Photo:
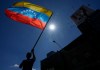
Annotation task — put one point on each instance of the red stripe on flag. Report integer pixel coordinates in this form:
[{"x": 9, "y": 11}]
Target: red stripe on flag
[{"x": 25, "y": 19}]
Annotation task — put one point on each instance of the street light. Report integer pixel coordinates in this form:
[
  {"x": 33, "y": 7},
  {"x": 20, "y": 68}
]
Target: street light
[{"x": 57, "y": 44}]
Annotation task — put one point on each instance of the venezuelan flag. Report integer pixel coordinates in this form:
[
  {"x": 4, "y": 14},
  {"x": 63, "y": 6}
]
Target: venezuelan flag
[{"x": 29, "y": 13}]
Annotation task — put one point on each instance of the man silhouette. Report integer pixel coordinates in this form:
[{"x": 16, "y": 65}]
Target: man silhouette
[{"x": 28, "y": 63}]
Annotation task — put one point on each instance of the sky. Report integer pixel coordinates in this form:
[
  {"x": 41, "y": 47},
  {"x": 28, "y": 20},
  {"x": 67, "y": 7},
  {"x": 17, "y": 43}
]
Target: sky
[{"x": 16, "y": 39}]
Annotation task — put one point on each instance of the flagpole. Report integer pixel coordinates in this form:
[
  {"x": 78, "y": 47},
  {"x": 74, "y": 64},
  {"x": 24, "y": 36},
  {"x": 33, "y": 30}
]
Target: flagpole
[{"x": 40, "y": 34}]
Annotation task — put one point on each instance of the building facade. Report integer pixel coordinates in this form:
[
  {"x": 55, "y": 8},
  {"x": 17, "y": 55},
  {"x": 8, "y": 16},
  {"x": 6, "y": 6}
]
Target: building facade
[{"x": 81, "y": 54}]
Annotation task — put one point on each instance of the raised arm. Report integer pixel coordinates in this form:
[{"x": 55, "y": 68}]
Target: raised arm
[{"x": 33, "y": 55}]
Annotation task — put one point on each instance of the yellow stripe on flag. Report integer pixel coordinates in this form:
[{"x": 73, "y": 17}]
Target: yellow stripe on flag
[{"x": 33, "y": 7}]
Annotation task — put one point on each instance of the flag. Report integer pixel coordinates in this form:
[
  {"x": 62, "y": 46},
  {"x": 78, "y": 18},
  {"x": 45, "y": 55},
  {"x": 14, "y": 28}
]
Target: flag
[{"x": 29, "y": 13}]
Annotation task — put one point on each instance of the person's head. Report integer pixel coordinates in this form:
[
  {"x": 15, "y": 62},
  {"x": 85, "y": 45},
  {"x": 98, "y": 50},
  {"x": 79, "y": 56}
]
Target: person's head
[{"x": 28, "y": 55}]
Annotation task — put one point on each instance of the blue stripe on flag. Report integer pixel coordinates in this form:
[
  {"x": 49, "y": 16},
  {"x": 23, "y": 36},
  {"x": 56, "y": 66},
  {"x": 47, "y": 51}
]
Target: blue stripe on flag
[{"x": 30, "y": 13}]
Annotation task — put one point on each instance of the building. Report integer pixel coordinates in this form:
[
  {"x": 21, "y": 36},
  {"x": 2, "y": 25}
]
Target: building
[
  {"x": 53, "y": 62},
  {"x": 81, "y": 14},
  {"x": 82, "y": 53}
]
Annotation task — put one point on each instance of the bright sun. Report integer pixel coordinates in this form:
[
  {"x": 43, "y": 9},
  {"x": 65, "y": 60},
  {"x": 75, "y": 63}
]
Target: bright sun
[{"x": 52, "y": 27}]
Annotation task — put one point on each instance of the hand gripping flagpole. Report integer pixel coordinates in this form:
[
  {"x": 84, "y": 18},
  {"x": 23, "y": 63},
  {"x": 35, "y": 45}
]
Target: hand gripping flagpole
[{"x": 40, "y": 34}]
